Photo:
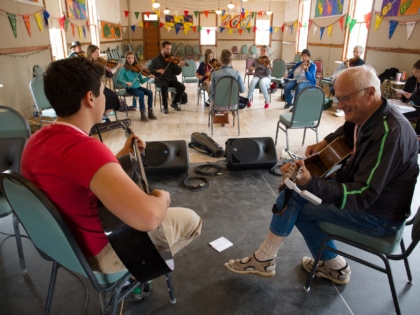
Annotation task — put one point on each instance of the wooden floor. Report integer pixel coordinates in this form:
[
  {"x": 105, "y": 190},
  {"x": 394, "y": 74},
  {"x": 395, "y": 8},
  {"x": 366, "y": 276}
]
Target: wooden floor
[{"x": 254, "y": 122}]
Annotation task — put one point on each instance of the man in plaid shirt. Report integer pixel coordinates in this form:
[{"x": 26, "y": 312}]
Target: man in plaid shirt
[{"x": 166, "y": 76}]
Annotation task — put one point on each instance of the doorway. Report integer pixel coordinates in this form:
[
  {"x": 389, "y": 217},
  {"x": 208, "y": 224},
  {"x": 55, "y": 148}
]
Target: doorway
[{"x": 151, "y": 36}]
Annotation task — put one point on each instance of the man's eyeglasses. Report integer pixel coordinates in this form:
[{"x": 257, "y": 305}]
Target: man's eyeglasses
[{"x": 345, "y": 98}]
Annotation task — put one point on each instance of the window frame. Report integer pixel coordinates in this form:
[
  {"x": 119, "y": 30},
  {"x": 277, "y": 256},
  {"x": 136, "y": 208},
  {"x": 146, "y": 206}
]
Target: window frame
[{"x": 269, "y": 33}]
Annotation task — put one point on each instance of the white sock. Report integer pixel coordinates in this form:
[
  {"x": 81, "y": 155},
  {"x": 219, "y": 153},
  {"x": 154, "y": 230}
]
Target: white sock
[
  {"x": 336, "y": 263},
  {"x": 268, "y": 249}
]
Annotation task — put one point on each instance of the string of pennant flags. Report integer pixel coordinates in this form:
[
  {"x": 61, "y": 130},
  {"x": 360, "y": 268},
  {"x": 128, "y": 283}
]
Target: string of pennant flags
[{"x": 63, "y": 21}]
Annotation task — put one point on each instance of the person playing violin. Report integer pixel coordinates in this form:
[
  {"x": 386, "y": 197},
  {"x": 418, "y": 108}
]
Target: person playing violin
[
  {"x": 133, "y": 80},
  {"x": 203, "y": 71},
  {"x": 303, "y": 75},
  {"x": 261, "y": 76},
  {"x": 112, "y": 100},
  {"x": 166, "y": 71},
  {"x": 76, "y": 49}
]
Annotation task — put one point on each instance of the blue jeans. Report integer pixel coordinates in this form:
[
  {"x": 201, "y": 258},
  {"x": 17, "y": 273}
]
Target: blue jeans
[
  {"x": 289, "y": 86},
  {"x": 141, "y": 92},
  {"x": 305, "y": 216},
  {"x": 263, "y": 84}
]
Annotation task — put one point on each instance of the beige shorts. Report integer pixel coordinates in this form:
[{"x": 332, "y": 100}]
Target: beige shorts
[{"x": 179, "y": 227}]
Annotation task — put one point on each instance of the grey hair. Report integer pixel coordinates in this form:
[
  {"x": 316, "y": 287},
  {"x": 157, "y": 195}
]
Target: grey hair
[
  {"x": 361, "y": 77},
  {"x": 359, "y": 48}
]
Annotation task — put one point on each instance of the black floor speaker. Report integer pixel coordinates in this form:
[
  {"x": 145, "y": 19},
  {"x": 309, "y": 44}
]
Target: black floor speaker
[
  {"x": 247, "y": 153},
  {"x": 165, "y": 157}
]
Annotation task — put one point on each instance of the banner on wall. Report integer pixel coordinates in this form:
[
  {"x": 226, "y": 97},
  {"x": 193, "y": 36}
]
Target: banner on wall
[
  {"x": 110, "y": 30},
  {"x": 400, "y": 7},
  {"x": 76, "y": 9},
  {"x": 236, "y": 21},
  {"x": 185, "y": 20},
  {"x": 328, "y": 8}
]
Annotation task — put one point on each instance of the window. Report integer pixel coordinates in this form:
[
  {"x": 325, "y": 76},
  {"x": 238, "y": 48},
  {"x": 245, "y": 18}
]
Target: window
[
  {"x": 151, "y": 17},
  {"x": 262, "y": 35},
  {"x": 304, "y": 11},
  {"x": 208, "y": 36},
  {"x": 56, "y": 44},
  {"x": 358, "y": 35},
  {"x": 93, "y": 22}
]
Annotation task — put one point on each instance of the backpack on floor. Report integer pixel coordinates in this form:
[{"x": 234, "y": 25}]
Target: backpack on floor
[
  {"x": 327, "y": 103},
  {"x": 184, "y": 98},
  {"x": 243, "y": 101}
]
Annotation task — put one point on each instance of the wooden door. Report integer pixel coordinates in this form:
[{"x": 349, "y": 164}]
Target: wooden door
[{"x": 151, "y": 40}]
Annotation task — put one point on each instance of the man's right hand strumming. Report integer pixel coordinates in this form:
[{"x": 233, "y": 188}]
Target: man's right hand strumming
[
  {"x": 161, "y": 71},
  {"x": 163, "y": 195},
  {"x": 314, "y": 148}
]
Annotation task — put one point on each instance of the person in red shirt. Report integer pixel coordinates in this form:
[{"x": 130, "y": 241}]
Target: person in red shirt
[{"x": 75, "y": 170}]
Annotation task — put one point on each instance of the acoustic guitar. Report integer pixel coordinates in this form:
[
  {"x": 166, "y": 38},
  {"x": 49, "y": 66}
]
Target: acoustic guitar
[
  {"x": 133, "y": 247},
  {"x": 322, "y": 164}
]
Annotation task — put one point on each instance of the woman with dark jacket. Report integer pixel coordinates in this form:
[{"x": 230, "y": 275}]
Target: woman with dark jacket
[
  {"x": 301, "y": 76},
  {"x": 411, "y": 94}
]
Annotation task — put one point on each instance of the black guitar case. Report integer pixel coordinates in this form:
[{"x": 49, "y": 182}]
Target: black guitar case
[
  {"x": 201, "y": 142},
  {"x": 106, "y": 126}
]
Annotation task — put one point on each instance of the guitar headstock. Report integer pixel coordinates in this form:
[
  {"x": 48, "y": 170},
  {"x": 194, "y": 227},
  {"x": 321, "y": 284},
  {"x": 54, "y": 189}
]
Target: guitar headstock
[
  {"x": 127, "y": 130},
  {"x": 293, "y": 173}
]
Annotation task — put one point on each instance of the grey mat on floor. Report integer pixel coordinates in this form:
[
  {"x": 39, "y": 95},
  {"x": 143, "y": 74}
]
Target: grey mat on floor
[{"x": 237, "y": 205}]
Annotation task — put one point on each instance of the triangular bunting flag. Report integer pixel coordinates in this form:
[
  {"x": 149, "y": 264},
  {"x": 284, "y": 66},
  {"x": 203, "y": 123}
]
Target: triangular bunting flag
[
  {"x": 186, "y": 31},
  {"x": 330, "y": 28},
  {"x": 230, "y": 31},
  {"x": 271, "y": 30},
  {"x": 341, "y": 20},
  {"x": 378, "y": 21},
  {"x": 87, "y": 25},
  {"x": 321, "y": 32},
  {"x": 309, "y": 25},
  {"x": 79, "y": 29},
  {"x": 286, "y": 28},
  {"x": 147, "y": 13},
  {"x": 136, "y": 14},
  {"x": 133, "y": 28},
  {"x": 291, "y": 29},
  {"x": 38, "y": 21},
  {"x": 169, "y": 29},
  {"x": 158, "y": 13},
  {"x": 246, "y": 12},
  {"x": 161, "y": 24},
  {"x": 72, "y": 29},
  {"x": 221, "y": 29},
  {"x": 282, "y": 28},
  {"x": 208, "y": 32},
  {"x": 141, "y": 24},
  {"x": 223, "y": 12},
  {"x": 255, "y": 28},
  {"x": 156, "y": 23},
  {"x": 199, "y": 28},
  {"x": 27, "y": 24},
  {"x": 367, "y": 19},
  {"x": 305, "y": 25},
  {"x": 260, "y": 14},
  {"x": 194, "y": 28},
  {"x": 177, "y": 29},
  {"x": 84, "y": 31},
  {"x": 146, "y": 24},
  {"x": 300, "y": 25},
  {"x": 60, "y": 21},
  {"x": 186, "y": 13},
  {"x": 276, "y": 29},
  {"x": 248, "y": 29},
  {"x": 352, "y": 23},
  {"x": 206, "y": 13},
  {"x": 196, "y": 14},
  {"x": 46, "y": 16},
  {"x": 240, "y": 31},
  {"x": 126, "y": 13},
  {"x": 410, "y": 28},
  {"x": 315, "y": 28},
  {"x": 348, "y": 19},
  {"x": 66, "y": 23},
  {"x": 12, "y": 19},
  {"x": 253, "y": 15},
  {"x": 392, "y": 27}
]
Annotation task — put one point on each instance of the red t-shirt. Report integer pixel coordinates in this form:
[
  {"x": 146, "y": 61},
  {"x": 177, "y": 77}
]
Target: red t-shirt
[{"x": 61, "y": 161}]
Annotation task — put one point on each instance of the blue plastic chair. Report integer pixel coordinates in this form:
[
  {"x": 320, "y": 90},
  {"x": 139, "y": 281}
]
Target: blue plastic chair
[
  {"x": 244, "y": 51},
  {"x": 42, "y": 104}
]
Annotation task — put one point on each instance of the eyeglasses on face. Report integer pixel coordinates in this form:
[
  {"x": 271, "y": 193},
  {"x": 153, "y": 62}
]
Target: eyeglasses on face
[{"x": 345, "y": 98}]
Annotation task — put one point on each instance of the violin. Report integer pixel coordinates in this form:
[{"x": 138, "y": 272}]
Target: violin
[
  {"x": 265, "y": 61},
  {"x": 107, "y": 63},
  {"x": 305, "y": 64},
  {"x": 174, "y": 60},
  {"x": 352, "y": 61},
  {"x": 80, "y": 53},
  {"x": 215, "y": 64},
  {"x": 135, "y": 67}
]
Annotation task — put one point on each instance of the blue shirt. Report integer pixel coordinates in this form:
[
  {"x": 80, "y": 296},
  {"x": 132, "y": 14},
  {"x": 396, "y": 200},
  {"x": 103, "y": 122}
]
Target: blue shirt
[{"x": 223, "y": 72}]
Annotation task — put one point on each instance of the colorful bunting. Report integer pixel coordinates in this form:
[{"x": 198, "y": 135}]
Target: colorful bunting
[
  {"x": 221, "y": 29},
  {"x": 141, "y": 24},
  {"x": 27, "y": 24},
  {"x": 309, "y": 25},
  {"x": 367, "y": 19},
  {"x": 133, "y": 28},
  {"x": 270, "y": 30},
  {"x": 348, "y": 20},
  {"x": 291, "y": 29},
  {"x": 378, "y": 21},
  {"x": 352, "y": 23},
  {"x": 341, "y": 20},
  {"x": 223, "y": 12},
  {"x": 208, "y": 32},
  {"x": 330, "y": 28},
  {"x": 199, "y": 28},
  {"x": 315, "y": 28},
  {"x": 79, "y": 29},
  {"x": 66, "y": 23},
  {"x": 206, "y": 13},
  {"x": 410, "y": 28},
  {"x": 148, "y": 14},
  {"x": 186, "y": 13},
  {"x": 126, "y": 13},
  {"x": 146, "y": 24},
  {"x": 38, "y": 21},
  {"x": 84, "y": 31},
  {"x": 253, "y": 15},
  {"x": 194, "y": 28},
  {"x": 12, "y": 19},
  {"x": 177, "y": 28},
  {"x": 72, "y": 29},
  {"x": 136, "y": 14},
  {"x": 255, "y": 29},
  {"x": 61, "y": 21},
  {"x": 161, "y": 24},
  {"x": 240, "y": 31},
  {"x": 392, "y": 27},
  {"x": 46, "y": 16},
  {"x": 249, "y": 30},
  {"x": 230, "y": 31},
  {"x": 186, "y": 31},
  {"x": 196, "y": 14},
  {"x": 321, "y": 32}
]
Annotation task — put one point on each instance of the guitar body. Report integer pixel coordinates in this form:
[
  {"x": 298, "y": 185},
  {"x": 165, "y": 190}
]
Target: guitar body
[
  {"x": 322, "y": 162},
  {"x": 135, "y": 248}
]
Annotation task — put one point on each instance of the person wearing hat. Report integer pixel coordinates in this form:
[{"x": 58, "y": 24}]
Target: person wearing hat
[{"x": 76, "y": 48}]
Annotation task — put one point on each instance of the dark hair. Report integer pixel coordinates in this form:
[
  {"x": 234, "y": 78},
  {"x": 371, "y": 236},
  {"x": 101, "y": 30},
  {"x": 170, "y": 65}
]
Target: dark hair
[
  {"x": 226, "y": 56},
  {"x": 306, "y": 51},
  {"x": 206, "y": 55},
  {"x": 90, "y": 50},
  {"x": 165, "y": 42},
  {"x": 127, "y": 66},
  {"x": 417, "y": 65},
  {"x": 67, "y": 81}
]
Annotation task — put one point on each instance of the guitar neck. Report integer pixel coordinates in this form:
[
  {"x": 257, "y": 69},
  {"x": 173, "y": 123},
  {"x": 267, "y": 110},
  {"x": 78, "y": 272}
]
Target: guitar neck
[{"x": 144, "y": 183}]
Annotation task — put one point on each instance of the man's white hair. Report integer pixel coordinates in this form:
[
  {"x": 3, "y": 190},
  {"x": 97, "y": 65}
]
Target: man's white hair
[
  {"x": 361, "y": 77},
  {"x": 359, "y": 48}
]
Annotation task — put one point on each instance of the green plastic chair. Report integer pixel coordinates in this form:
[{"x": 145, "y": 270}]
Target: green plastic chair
[
  {"x": 174, "y": 47},
  {"x": 277, "y": 73},
  {"x": 196, "y": 51},
  {"x": 119, "y": 89},
  {"x": 306, "y": 114},
  {"x": 42, "y": 104},
  {"x": 54, "y": 241},
  {"x": 189, "y": 52},
  {"x": 253, "y": 51},
  {"x": 244, "y": 51},
  {"x": 226, "y": 98},
  {"x": 188, "y": 75},
  {"x": 13, "y": 124},
  {"x": 383, "y": 247}
]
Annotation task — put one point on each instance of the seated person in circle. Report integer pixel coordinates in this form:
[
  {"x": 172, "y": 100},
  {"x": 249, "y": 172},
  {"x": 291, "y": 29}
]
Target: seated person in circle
[
  {"x": 76, "y": 49},
  {"x": 261, "y": 77},
  {"x": 203, "y": 72},
  {"x": 303, "y": 75}
]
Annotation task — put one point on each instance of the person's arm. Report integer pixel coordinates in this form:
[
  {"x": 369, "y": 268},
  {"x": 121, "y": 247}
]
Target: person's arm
[
  {"x": 153, "y": 66},
  {"x": 242, "y": 87},
  {"x": 290, "y": 74},
  {"x": 176, "y": 69},
  {"x": 142, "y": 79},
  {"x": 311, "y": 73},
  {"x": 108, "y": 72}
]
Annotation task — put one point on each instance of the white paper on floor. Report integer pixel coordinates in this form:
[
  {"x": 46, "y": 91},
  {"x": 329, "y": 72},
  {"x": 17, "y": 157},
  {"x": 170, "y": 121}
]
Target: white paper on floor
[{"x": 221, "y": 244}]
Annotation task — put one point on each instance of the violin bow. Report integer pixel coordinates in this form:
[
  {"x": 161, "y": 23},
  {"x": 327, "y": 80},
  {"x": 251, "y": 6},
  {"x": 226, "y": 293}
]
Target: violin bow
[{"x": 170, "y": 62}]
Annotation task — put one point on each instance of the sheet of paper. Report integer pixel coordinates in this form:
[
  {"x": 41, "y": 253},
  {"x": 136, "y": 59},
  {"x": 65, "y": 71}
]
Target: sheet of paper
[
  {"x": 399, "y": 91},
  {"x": 401, "y": 106},
  {"x": 221, "y": 244}
]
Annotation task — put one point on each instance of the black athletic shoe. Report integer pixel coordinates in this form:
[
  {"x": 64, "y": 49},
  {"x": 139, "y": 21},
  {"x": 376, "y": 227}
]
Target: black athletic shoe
[
  {"x": 175, "y": 106},
  {"x": 207, "y": 104},
  {"x": 287, "y": 105},
  {"x": 165, "y": 110}
]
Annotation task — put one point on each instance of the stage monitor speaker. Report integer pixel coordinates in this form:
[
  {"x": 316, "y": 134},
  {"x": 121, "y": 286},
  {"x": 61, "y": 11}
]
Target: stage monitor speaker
[
  {"x": 165, "y": 157},
  {"x": 248, "y": 153}
]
